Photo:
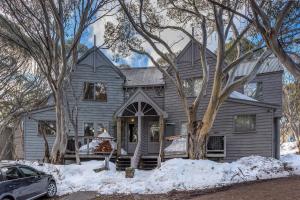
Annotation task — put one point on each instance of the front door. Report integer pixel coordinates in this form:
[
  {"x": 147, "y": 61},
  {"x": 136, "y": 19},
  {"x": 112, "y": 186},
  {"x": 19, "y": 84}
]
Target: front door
[
  {"x": 132, "y": 136},
  {"x": 153, "y": 137}
]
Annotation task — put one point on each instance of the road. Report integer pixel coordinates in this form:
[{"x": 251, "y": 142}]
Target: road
[{"x": 276, "y": 189}]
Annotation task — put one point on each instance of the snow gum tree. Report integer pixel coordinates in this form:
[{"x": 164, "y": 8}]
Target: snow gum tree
[
  {"x": 147, "y": 27},
  {"x": 42, "y": 28}
]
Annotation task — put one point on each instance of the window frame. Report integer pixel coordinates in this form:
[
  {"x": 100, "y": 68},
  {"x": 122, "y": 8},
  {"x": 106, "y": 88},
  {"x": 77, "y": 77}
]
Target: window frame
[
  {"x": 46, "y": 121},
  {"x": 193, "y": 86},
  {"x": 94, "y": 99},
  {"x": 217, "y": 153},
  {"x": 88, "y": 122},
  {"x": 236, "y": 130},
  {"x": 258, "y": 90}
]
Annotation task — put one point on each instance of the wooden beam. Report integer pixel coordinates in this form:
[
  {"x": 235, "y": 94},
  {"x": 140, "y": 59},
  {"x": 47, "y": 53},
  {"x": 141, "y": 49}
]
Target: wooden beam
[
  {"x": 161, "y": 140},
  {"x": 119, "y": 136}
]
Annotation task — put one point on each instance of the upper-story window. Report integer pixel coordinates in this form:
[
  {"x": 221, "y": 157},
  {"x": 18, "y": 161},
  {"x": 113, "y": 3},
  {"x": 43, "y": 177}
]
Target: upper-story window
[
  {"x": 244, "y": 123},
  {"x": 46, "y": 127},
  {"x": 253, "y": 90},
  {"x": 192, "y": 86},
  {"x": 95, "y": 91}
]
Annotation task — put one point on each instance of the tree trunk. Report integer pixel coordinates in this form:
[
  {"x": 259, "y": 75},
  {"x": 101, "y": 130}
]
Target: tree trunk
[
  {"x": 76, "y": 146},
  {"x": 46, "y": 146},
  {"x": 135, "y": 160},
  {"x": 60, "y": 143}
]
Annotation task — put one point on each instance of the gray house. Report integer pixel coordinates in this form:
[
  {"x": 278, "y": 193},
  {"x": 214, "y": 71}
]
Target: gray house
[{"x": 121, "y": 101}]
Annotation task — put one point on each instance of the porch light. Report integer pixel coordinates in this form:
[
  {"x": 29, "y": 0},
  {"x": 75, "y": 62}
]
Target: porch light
[{"x": 132, "y": 120}]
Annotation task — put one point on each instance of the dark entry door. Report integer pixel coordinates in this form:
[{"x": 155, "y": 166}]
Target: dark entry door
[
  {"x": 153, "y": 137},
  {"x": 132, "y": 136}
]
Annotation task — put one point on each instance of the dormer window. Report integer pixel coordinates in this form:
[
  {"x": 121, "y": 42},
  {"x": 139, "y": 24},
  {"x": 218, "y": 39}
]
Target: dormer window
[
  {"x": 95, "y": 91},
  {"x": 253, "y": 90}
]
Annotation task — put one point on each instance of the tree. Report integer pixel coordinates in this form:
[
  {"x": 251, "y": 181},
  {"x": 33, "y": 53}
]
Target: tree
[
  {"x": 291, "y": 110},
  {"x": 42, "y": 28},
  {"x": 21, "y": 88},
  {"x": 144, "y": 22},
  {"x": 245, "y": 45},
  {"x": 278, "y": 25}
]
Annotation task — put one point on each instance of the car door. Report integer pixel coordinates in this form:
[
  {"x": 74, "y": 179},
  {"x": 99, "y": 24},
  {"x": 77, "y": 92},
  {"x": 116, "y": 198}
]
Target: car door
[
  {"x": 13, "y": 182},
  {"x": 33, "y": 179}
]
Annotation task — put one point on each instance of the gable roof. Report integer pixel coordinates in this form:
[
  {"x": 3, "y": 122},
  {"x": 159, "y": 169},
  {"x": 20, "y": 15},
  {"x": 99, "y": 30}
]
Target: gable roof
[
  {"x": 141, "y": 96},
  {"x": 271, "y": 64},
  {"x": 101, "y": 54},
  {"x": 146, "y": 76},
  {"x": 196, "y": 44}
]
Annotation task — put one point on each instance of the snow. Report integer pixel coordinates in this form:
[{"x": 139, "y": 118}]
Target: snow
[
  {"x": 237, "y": 95},
  {"x": 177, "y": 145},
  {"x": 288, "y": 148},
  {"x": 174, "y": 174}
]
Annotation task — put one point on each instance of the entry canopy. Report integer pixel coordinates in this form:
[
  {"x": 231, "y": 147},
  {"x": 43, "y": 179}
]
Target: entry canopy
[{"x": 148, "y": 106}]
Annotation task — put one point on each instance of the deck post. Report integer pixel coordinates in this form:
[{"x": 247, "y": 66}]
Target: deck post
[
  {"x": 119, "y": 136},
  {"x": 161, "y": 140}
]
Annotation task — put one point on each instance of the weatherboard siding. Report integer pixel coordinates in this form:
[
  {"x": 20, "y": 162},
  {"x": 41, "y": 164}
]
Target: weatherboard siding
[
  {"x": 33, "y": 142},
  {"x": 238, "y": 145}
]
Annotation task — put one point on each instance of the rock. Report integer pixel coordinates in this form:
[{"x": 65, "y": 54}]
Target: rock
[{"x": 129, "y": 172}]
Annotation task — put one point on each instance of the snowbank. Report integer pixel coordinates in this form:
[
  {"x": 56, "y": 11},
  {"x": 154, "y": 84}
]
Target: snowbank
[
  {"x": 174, "y": 174},
  {"x": 288, "y": 148}
]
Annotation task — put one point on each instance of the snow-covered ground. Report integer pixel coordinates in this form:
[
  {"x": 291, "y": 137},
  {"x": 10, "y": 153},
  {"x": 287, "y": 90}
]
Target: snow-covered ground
[
  {"x": 175, "y": 174},
  {"x": 288, "y": 148}
]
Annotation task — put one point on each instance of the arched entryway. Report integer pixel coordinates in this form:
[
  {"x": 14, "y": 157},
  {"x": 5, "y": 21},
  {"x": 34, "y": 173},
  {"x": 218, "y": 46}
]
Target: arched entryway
[{"x": 140, "y": 116}]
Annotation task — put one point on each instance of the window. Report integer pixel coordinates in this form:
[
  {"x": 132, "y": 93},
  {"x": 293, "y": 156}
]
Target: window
[
  {"x": 27, "y": 172},
  {"x": 100, "y": 128},
  {"x": 253, "y": 90},
  {"x": 89, "y": 129},
  {"x": 215, "y": 146},
  {"x": 244, "y": 123},
  {"x": 154, "y": 132},
  {"x": 47, "y": 127},
  {"x": 95, "y": 91},
  {"x": 100, "y": 92},
  {"x": 159, "y": 91},
  {"x": 183, "y": 128},
  {"x": 192, "y": 86},
  {"x": 12, "y": 173}
]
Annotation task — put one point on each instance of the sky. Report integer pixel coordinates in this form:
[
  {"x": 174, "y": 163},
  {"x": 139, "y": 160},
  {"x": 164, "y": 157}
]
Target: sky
[{"x": 136, "y": 60}]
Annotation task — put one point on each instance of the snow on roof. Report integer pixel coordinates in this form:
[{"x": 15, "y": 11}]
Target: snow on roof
[
  {"x": 143, "y": 76},
  {"x": 237, "y": 95}
]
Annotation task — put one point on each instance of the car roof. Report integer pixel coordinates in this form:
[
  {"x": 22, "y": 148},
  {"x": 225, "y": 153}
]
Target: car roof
[{"x": 8, "y": 164}]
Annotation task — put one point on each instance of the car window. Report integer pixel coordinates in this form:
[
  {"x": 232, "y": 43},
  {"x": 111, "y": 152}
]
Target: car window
[
  {"x": 12, "y": 173},
  {"x": 28, "y": 171}
]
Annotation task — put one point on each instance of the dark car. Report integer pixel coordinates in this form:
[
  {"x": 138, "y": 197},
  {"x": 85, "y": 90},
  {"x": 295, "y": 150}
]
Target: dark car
[{"x": 21, "y": 182}]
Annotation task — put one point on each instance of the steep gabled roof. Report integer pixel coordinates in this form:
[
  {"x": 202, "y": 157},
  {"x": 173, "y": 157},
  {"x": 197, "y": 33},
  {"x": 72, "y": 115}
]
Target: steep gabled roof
[{"x": 101, "y": 54}]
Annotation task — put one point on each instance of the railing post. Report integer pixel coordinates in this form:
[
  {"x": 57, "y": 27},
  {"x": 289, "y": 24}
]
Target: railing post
[
  {"x": 119, "y": 136},
  {"x": 88, "y": 145}
]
